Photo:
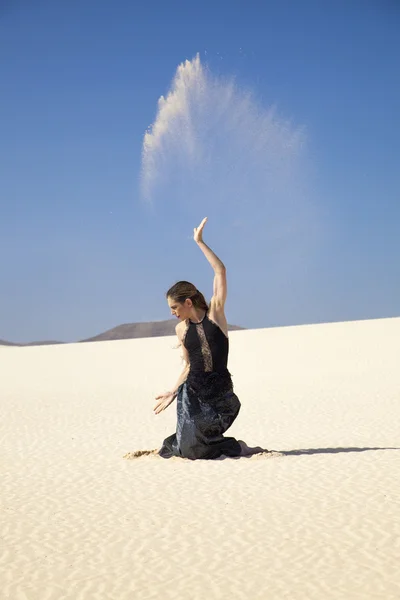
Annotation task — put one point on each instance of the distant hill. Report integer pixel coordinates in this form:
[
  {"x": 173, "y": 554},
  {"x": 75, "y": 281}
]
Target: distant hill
[
  {"x": 142, "y": 330},
  {"x": 124, "y": 332},
  {"x": 4, "y": 343},
  {"x": 45, "y": 343}
]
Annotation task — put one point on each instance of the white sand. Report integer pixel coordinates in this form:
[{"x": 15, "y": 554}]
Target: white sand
[{"x": 319, "y": 522}]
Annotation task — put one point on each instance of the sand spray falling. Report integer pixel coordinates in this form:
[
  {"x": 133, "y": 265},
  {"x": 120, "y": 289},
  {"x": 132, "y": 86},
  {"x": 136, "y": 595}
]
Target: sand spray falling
[
  {"x": 208, "y": 126},
  {"x": 215, "y": 149}
]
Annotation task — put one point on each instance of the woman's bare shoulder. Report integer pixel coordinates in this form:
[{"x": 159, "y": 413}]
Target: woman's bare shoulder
[{"x": 180, "y": 329}]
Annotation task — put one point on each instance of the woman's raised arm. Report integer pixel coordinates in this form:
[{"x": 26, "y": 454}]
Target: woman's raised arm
[{"x": 220, "y": 282}]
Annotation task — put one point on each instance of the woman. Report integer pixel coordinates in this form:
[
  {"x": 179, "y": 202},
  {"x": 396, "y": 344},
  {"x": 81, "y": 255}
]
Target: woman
[{"x": 206, "y": 404}]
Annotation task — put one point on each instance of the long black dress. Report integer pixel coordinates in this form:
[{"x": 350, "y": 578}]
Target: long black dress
[{"x": 206, "y": 402}]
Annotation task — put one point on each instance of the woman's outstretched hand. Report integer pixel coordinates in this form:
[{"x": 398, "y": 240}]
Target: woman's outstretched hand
[
  {"x": 198, "y": 231},
  {"x": 163, "y": 401}
]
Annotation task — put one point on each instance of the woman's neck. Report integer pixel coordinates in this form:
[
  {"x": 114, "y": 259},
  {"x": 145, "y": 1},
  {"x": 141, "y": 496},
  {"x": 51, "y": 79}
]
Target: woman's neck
[{"x": 197, "y": 316}]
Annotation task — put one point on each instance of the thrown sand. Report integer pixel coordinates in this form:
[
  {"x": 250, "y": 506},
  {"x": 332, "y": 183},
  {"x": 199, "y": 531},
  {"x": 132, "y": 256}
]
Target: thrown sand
[{"x": 90, "y": 511}]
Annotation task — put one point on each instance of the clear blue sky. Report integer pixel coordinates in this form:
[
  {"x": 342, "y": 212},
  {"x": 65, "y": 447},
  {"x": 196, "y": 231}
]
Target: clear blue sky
[{"x": 80, "y": 80}]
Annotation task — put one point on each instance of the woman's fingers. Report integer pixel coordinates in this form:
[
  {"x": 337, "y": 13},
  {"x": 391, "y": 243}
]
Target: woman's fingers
[
  {"x": 164, "y": 401},
  {"x": 198, "y": 230},
  {"x": 160, "y": 407},
  {"x": 201, "y": 226}
]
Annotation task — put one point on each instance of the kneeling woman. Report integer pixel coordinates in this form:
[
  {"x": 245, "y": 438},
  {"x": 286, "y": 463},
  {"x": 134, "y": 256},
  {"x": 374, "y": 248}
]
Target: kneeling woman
[{"x": 206, "y": 402}]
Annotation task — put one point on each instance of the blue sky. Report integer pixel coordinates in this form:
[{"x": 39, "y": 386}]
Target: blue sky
[{"x": 80, "y": 81}]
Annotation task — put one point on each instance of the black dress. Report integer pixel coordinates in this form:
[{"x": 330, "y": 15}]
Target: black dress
[{"x": 206, "y": 403}]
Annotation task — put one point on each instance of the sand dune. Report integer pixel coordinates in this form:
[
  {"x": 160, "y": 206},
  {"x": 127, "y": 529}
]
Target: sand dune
[{"x": 317, "y": 518}]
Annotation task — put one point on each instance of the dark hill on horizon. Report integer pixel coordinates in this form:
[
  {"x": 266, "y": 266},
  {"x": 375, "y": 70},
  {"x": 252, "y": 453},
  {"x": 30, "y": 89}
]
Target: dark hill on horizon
[
  {"x": 45, "y": 343},
  {"x": 142, "y": 330},
  {"x": 126, "y": 331},
  {"x": 4, "y": 343}
]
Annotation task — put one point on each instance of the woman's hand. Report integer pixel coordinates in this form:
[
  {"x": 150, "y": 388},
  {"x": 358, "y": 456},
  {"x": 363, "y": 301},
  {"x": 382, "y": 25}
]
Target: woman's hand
[
  {"x": 164, "y": 400},
  {"x": 198, "y": 231}
]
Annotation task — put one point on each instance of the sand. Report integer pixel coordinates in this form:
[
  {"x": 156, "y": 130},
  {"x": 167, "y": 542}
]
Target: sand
[{"x": 317, "y": 518}]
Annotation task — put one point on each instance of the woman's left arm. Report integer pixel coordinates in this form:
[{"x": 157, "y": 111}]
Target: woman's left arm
[{"x": 220, "y": 283}]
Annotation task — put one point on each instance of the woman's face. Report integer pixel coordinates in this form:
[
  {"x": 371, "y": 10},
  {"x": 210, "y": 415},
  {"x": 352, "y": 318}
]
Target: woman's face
[{"x": 178, "y": 309}]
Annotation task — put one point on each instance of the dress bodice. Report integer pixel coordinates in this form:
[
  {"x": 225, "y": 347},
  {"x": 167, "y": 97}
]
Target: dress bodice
[{"x": 207, "y": 346}]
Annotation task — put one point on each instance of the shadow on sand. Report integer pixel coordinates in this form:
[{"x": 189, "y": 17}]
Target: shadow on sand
[
  {"x": 259, "y": 451},
  {"x": 330, "y": 450}
]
